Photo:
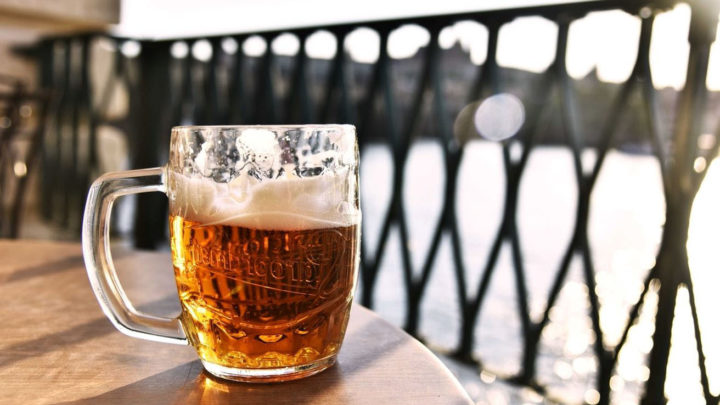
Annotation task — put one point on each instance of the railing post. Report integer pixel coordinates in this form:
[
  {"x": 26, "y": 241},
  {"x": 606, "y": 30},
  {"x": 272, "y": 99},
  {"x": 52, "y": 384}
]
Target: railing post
[
  {"x": 48, "y": 82},
  {"x": 266, "y": 109},
  {"x": 236, "y": 112},
  {"x": 85, "y": 107},
  {"x": 673, "y": 270},
  {"x": 212, "y": 105},
  {"x": 150, "y": 135},
  {"x": 64, "y": 122}
]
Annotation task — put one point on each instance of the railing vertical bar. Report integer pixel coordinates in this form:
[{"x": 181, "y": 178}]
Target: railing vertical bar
[
  {"x": 488, "y": 68},
  {"x": 198, "y": 79},
  {"x": 709, "y": 399},
  {"x": 509, "y": 226},
  {"x": 611, "y": 124},
  {"x": 266, "y": 112},
  {"x": 518, "y": 263},
  {"x": 347, "y": 111},
  {"x": 650, "y": 106},
  {"x": 528, "y": 135},
  {"x": 472, "y": 305},
  {"x": 610, "y": 128},
  {"x": 700, "y": 60},
  {"x": 702, "y": 35},
  {"x": 367, "y": 112},
  {"x": 86, "y": 103},
  {"x": 450, "y": 152},
  {"x": 335, "y": 81},
  {"x": 61, "y": 114},
  {"x": 580, "y": 240},
  {"x": 711, "y": 154},
  {"x": 682, "y": 187},
  {"x": 634, "y": 313},
  {"x": 604, "y": 358},
  {"x": 531, "y": 350},
  {"x": 151, "y": 217},
  {"x": 236, "y": 98},
  {"x": 48, "y": 82},
  {"x": 400, "y": 145},
  {"x": 211, "y": 97},
  {"x": 75, "y": 200},
  {"x": 299, "y": 105},
  {"x": 106, "y": 93},
  {"x": 415, "y": 287},
  {"x": 642, "y": 73},
  {"x": 370, "y": 269},
  {"x": 67, "y": 120},
  {"x": 552, "y": 297},
  {"x": 658, "y": 359},
  {"x": 649, "y": 98},
  {"x": 186, "y": 101}
]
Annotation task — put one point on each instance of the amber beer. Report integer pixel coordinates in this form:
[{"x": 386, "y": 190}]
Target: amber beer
[
  {"x": 264, "y": 229},
  {"x": 257, "y": 299}
]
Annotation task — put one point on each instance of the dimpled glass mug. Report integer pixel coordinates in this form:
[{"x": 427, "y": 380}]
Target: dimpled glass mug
[{"x": 264, "y": 233}]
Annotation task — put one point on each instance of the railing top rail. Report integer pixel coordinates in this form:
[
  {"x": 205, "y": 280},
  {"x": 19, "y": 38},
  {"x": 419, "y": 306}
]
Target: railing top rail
[{"x": 491, "y": 16}]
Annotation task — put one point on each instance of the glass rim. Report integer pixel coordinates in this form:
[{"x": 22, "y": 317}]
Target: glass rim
[{"x": 262, "y": 126}]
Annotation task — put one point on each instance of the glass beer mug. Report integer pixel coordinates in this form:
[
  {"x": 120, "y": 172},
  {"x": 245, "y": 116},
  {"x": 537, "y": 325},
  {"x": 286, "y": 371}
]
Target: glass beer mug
[{"x": 264, "y": 233}]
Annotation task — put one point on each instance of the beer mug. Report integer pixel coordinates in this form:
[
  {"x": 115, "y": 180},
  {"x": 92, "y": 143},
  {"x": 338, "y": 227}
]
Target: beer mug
[{"x": 264, "y": 232}]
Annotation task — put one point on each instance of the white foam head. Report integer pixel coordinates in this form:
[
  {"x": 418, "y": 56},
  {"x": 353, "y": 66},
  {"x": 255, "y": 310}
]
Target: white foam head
[{"x": 285, "y": 203}]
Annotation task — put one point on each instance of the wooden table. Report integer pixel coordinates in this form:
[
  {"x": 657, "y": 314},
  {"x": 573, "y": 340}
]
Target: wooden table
[{"x": 57, "y": 347}]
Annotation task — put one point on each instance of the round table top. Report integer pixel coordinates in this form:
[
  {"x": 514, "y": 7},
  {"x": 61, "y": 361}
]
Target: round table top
[{"x": 56, "y": 346}]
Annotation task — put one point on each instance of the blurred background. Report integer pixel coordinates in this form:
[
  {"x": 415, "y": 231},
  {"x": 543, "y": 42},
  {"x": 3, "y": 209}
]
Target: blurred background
[{"x": 521, "y": 161}]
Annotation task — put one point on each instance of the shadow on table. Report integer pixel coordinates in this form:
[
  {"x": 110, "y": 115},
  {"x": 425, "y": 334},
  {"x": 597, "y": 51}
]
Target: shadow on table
[
  {"x": 56, "y": 341},
  {"x": 189, "y": 383},
  {"x": 67, "y": 338},
  {"x": 58, "y": 266},
  {"x": 44, "y": 269}
]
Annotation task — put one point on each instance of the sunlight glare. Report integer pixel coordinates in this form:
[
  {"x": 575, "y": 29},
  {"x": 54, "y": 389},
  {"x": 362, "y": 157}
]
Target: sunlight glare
[
  {"x": 286, "y": 44},
  {"x": 683, "y": 375},
  {"x": 713, "y": 77},
  {"x": 704, "y": 256},
  {"x": 405, "y": 41},
  {"x": 254, "y": 46},
  {"x": 613, "y": 54},
  {"x": 321, "y": 45},
  {"x": 363, "y": 45},
  {"x": 669, "y": 47},
  {"x": 473, "y": 38},
  {"x": 527, "y": 43}
]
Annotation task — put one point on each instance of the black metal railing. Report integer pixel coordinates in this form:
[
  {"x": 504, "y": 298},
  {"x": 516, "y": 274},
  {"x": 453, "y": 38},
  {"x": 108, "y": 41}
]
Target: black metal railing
[{"x": 239, "y": 89}]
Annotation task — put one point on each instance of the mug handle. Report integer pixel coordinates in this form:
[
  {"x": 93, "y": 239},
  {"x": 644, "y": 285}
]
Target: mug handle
[{"x": 98, "y": 260}]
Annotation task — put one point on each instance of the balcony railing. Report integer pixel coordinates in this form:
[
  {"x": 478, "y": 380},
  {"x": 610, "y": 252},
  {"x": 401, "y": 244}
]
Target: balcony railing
[{"x": 235, "y": 88}]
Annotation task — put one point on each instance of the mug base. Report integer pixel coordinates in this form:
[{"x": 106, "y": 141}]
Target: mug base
[{"x": 269, "y": 375}]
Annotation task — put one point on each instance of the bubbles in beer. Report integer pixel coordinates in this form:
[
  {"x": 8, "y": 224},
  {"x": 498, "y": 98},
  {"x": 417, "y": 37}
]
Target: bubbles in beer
[{"x": 256, "y": 298}]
